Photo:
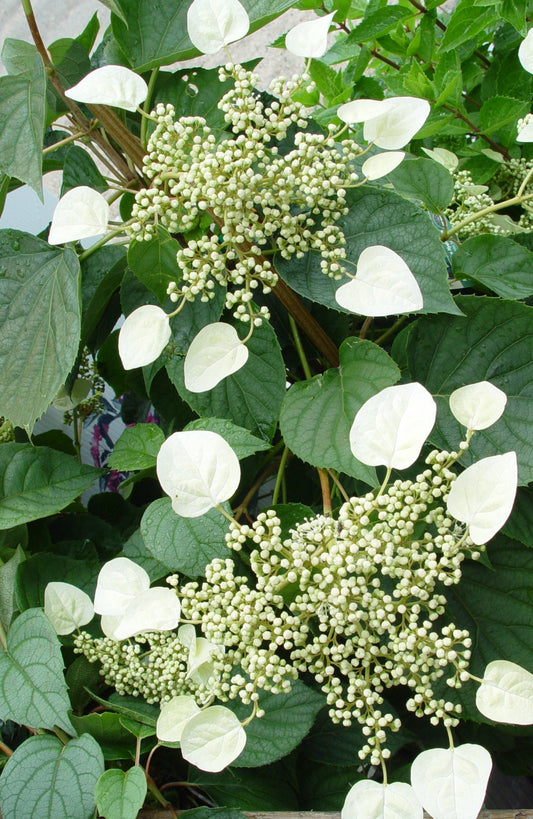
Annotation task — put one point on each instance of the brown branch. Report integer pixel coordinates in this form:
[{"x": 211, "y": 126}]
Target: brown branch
[{"x": 494, "y": 145}]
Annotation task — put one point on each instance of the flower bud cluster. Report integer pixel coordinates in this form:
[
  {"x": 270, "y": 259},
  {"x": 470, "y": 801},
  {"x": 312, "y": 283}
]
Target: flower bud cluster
[
  {"x": 469, "y": 199},
  {"x": 260, "y": 194}
]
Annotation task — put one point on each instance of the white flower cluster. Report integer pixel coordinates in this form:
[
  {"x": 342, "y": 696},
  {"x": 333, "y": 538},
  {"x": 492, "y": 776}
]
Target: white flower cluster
[
  {"x": 260, "y": 194},
  {"x": 469, "y": 199}
]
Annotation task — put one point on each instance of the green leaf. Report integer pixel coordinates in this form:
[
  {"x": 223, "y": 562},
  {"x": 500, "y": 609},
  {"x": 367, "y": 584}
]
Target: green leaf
[
  {"x": 379, "y": 22},
  {"x": 38, "y": 570},
  {"x": 378, "y": 216},
  {"x": 101, "y": 275},
  {"x": 251, "y": 397},
  {"x": 213, "y": 813},
  {"x": 514, "y": 11},
  {"x": 466, "y": 23},
  {"x": 324, "y": 788},
  {"x": 249, "y": 789},
  {"x": 39, "y": 322},
  {"x": 130, "y": 707},
  {"x": 520, "y": 524},
  {"x": 194, "y": 95},
  {"x": 22, "y": 112},
  {"x": 152, "y": 40},
  {"x": 80, "y": 169},
  {"x": 239, "y": 439},
  {"x": 18, "y": 56},
  {"x": 154, "y": 262},
  {"x": 136, "y": 550},
  {"x": 8, "y": 572},
  {"x": 317, "y": 415},
  {"x": 49, "y": 780},
  {"x": 287, "y": 720},
  {"x": 32, "y": 688},
  {"x": 184, "y": 545},
  {"x": 120, "y": 794},
  {"x": 500, "y": 264},
  {"x": 137, "y": 448},
  {"x": 114, "y": 740},
  {"x": 425, "y": 181},
  {"x": 499, "y": 111},
  {"x": 492, "y": 342},
  {"x": 38, "y": 482}
]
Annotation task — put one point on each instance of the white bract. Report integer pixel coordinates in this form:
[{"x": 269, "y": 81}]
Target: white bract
[
  {"x": 120, "y": 580},
  {"x": 213, "y": 24},
  {"x": 483, "y": 495},
  {"x": 174, "y": 715},
  {"x": 143, "y": 336},
  {"x": 525, "y": 52},
  {"x": 213, "y": 739},
  {"x": 525, "y": 129},
  {"x": 381, "y": 164},
  {"x": 110, "y": 85},
  {"x": 214, "y": 353},
  {"x": 201, "y": 650},
  {"x": 479, "y": 405},
  {"x": 391, "y": 427},
  {"x": 67, "y": 607},
  {"x": 444, "y": 157},
  {"x": 391, "y": 123},
  {"x": 506, "y": 694},
  {"x": 372, "y": 800},
  {"x": 198, "y": 470},
  {"x": 156, "y": 609},
  {"x": 309, "y": 39},
  {"x": 383, "y": 285},
  {"x": 81, "y": 213},
  {"x": 451, "y": 782}
]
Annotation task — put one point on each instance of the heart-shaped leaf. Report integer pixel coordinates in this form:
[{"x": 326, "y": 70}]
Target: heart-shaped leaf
[
  {"x": 372, "y": 800},
  {"x": 212, "y": 739},
  {"x": 81, "y": 213},
  {"x": 213, "y": 24},
  {"x": 451, "y": 782},
  {"x": 478, "y": 406},
  {"x": 174, "y": 716},
  {"x": 213, "y": 354},
  {"x": 506, "y": 693},
  {"x": 143, "y": 336},
  {"x": 110, "y": 85},
  {"x": 120, "y": 794},
  {"x": 67, "y": 607},
  {"x": 309, "y": 39}
]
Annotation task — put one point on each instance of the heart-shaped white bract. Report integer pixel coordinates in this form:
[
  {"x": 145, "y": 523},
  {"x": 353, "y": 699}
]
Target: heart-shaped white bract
[
  {"x": 120, "y": 580},
  {"x": 67, "y": 607},
  {"x": 79, "y": 214},
  {"x": 372, "y": 800},
  {"x": 156, "y": 609},
  {"x": 383, "y": 285},
  {"x": 381, "y": 164},
  {"x": 483, "y": 495},
  {"x": 213, "y": 24},
  {"x": 198, "y": 470},
  {"x": 444, "y": 157},
  {"x": 174, "y": 716},
  {"x": 143, "y": 336},
  {"x": 525, "y": 134},
  {"x": 525, "y": 52},
  {"x": 213, "y": 739},
  {"x": 201, "y": 650},
  {"x": 110, "y": 85},
  {"x": 479, "y": 405},
  {"x": 391, "y": 123},
  {"x": 309, "y": 39},
  {"x": 214, "y": 353},
  {"x": 506, "y": 693},
  {"x": 392, "y": 426},
  {"x": 451, "y": 783}
]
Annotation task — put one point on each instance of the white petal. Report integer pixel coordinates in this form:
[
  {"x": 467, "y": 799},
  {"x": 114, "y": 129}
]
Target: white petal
[
  {"x": 399, "y": 121},
  {"x": 119, "y": 581},
  {"x": 451, "y": 783},
  {"x": 526, "y": 134},
  {"x": 360, "y": 110},
  {"x": 383, "y": 285},
  {"x": 506, "y": 694},
  {"x": 79, "y": 214},
  {"x": 67, "y": 607},
  {"x": 309, "y": 39},
  {"x": 143, "y": 336},
  {"x": 381, "y": 164},
  {"x": 80, "y": 390},
  {"x": 110, "y": 85},
  {"x": 372, "y": 800},
  {"x": 391, "y": 427},
  {"x": 478, "y": 406},
  {"x": 215, "y": 352},
  {"x": 483, "y": 495},
  {"x": 174, "y": 715},
  {"x": 156, "y": 609},
  {"x": 212, "y": 24},
  {"x": 525, "y": 52},
  {"x": 213, "y": 739},
  {"x": 198, "y": 469},
  {"x": 444, "y": 157}
]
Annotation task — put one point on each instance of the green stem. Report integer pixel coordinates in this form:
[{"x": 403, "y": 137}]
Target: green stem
[
  {"x": 101, "y": 242},
  {"x": 147, "y": 105},
  {"x": 450, "y": 737},
  {"x": 516, "y": 200},
  {"x": 223, "y": 512},
  {"x": 324, "y": 488},
  {"x": 299, "y": 348},
  {"x": 279, "y": 476},
  {"x": 385, "y": 482},
  {"x": 5, "y": 750},
  {"x": 3, "y": 637},
  {"x": 388, "y": 333},
  {"x": 61, "y": 142}
]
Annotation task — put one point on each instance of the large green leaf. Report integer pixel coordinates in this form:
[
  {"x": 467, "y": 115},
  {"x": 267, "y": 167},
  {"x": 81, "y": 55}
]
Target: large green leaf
[
  {"x": 38, "y": 481},
  {"x": 114, "y": 740},
  {"x": 137, "y": 447},
  {"x": 379, "y": 22},
  {"x": 287, "y": 720},
  {"x": 120, "y": 794},
  {"x": 251, "y": 397},
  {"x": 426, "y": 181},
  {"x": 499, "y": 111},
  {"x": 183, "y": 544},
  {"x": 154, "y": 262},
  {"x": 249, "y": 789},
  {"x": 39, "y": 322},
  {"x": 155, "y": 36},
  {"x": 468, "y": 23},
  {"x": 317, "y": 415},
  {"x": 492, "y": 342},
  {"x": 22, "y": 112},
  {"x": 239, "y": 439},
  {"x": 379, "y": 217},
  {"x": 48, "y": 780},
  {"x": 498, "y": 263},
  {"x": 8, "y": 571},
  {"x": 33, "y": 691}
]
